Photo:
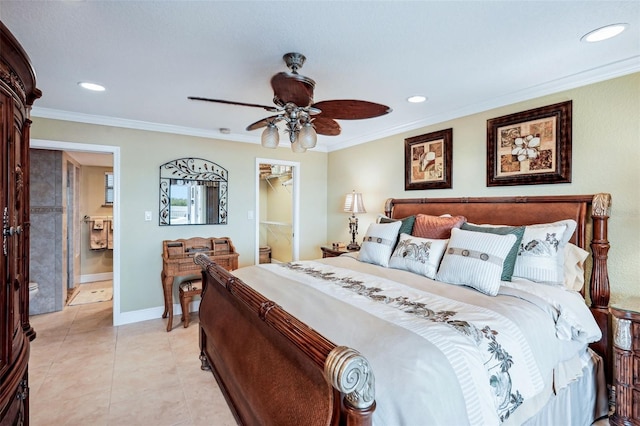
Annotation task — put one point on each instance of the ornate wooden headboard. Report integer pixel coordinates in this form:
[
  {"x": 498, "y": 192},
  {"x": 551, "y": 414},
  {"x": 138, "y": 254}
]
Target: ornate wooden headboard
[{"x": 517, "y": 211}]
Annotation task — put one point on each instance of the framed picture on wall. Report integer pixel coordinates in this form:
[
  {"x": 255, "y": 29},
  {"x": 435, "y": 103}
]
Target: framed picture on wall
[
  {"x": 427, "y": 160},
  {"x": 530, "y": 147}
]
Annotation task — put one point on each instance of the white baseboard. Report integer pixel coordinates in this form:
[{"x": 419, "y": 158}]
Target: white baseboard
[
  {"x": 90, "y": 278},
  {"x": 153, "y": 313}
]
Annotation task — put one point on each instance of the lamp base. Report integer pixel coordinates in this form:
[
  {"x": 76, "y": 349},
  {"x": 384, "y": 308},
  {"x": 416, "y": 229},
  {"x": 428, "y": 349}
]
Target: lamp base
[{"x": 353, "y": 246}]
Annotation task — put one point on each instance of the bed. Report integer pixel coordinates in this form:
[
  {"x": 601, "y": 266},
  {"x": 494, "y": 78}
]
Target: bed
[{"x": 350, "y": 341}]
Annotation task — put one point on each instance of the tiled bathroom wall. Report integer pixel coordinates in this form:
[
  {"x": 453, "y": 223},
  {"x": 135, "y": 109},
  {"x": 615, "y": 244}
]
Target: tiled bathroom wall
[{"x": 48, "y": 223}]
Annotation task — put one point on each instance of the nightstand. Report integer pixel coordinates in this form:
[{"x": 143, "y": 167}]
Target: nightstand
[
  {"x": 626, "y": 362},
  {"x": 330, "y": 251}
]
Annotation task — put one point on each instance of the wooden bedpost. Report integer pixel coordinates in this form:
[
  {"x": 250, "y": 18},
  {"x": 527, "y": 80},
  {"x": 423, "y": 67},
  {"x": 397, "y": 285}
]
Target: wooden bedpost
[
  {"x": 599, "y": 283},
  {"x": 350, "y": 373}
]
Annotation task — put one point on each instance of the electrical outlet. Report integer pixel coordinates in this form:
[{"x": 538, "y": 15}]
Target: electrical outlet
[
  {"x": 250, "y": 215},
  {"x": 147, "y": 216}
]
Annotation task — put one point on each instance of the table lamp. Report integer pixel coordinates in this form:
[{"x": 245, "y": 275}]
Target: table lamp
[{"x": 353, "y": 204}]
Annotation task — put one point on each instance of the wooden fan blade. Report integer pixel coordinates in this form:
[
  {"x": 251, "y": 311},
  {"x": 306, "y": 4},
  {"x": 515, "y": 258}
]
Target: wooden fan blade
[
  {"x": 263, "y": 123},
  {"x": 221, "y": 101},
  {"x": 294, "y": 88},
  {"x": 326, "y": 126},
  {"x": 350, "y": 109}
]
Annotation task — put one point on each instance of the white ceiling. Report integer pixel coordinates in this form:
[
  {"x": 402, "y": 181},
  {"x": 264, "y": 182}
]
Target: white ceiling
[{"x": 465, "y": 56}]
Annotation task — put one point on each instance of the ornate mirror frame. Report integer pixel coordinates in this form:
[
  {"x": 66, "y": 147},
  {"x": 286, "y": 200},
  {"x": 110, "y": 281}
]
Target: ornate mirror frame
[{"x": 191, "y": 169}]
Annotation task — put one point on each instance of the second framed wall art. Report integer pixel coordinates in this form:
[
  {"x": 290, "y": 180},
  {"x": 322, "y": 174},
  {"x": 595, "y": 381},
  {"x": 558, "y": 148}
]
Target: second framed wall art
[
  {"x": 530, "y": 147},
  {"x": 427, "y": 160}
]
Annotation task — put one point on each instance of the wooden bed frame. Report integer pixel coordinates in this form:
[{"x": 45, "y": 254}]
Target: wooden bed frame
[{"x": 273, "y": 369}]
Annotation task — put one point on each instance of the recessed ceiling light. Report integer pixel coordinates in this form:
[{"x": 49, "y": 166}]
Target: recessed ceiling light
[
  {"x": 91, "y": 86},
  {"x": 416, "y": 99},
  {"x": 604, "y": 33}
]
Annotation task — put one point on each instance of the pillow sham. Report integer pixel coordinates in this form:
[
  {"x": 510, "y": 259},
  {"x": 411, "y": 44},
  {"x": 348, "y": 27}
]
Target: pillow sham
[
  {"x": 378, "y": 243},
  {"x": 436, "y": 227},
  {"x": 418, "y": 255},
  {"x": 475, "y": 259},
  {"x": 574, "y": 258},
  {"x": 510, "y": 260},
  {"x": 407, "y": 223},
  {"x": 541, "y": 252}
]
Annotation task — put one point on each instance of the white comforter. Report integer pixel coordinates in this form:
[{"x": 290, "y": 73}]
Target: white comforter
[{"x": 441, "y": 354}]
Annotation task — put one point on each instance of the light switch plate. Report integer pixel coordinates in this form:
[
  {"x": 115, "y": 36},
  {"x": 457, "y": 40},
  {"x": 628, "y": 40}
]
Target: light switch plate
[{"x": 147, "y": 216}]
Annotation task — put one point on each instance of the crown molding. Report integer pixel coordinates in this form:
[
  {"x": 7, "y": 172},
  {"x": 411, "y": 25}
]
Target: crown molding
[{"x": 607, "y": 72}]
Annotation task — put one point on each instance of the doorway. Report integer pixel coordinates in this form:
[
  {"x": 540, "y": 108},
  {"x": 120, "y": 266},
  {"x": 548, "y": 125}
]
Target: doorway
[
  {"x": 114, "y": 153},
  {"x": 277, "y": 210}
]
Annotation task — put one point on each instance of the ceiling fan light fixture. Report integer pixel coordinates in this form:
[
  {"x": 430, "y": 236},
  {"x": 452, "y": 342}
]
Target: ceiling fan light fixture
[
  {"x": 270, "y": 136},
  {"x": 307, "y": 136},
  {"x": 297, "y": 148},
  {"x": 604, "y": 33},
  {"x": 301, "y": 118}
]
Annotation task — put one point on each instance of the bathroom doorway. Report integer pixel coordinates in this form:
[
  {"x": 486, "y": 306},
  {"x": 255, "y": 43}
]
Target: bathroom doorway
[
  {"x": 79, "y": 163},
  {"x": 277, "y": 209}
]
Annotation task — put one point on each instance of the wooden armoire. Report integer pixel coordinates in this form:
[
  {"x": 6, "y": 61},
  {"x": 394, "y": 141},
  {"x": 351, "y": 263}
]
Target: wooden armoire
[{"x": 17, "y": 93}]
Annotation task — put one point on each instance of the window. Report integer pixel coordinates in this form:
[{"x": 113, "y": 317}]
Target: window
[{"x": 108, "y": 188}]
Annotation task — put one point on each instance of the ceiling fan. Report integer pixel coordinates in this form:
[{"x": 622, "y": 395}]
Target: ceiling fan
[{"x": 303, "y": 119}]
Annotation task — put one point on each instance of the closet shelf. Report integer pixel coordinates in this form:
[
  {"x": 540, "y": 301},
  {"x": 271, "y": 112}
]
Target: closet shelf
[{"x": 277, "y": 229}]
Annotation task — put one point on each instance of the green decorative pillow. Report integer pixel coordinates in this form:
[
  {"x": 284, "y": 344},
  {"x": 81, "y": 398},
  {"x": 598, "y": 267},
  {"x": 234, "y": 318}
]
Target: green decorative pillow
[
  {"x": 407, "y": 223},
  {"x": 510, "y": 260}
]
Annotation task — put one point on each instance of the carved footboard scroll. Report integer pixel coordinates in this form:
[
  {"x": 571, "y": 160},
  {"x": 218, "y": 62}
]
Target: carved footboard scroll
[{"x": 272, "y": 368}]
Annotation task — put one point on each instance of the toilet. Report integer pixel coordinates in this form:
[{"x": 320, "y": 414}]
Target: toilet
[{"x": 33, "y": 290}]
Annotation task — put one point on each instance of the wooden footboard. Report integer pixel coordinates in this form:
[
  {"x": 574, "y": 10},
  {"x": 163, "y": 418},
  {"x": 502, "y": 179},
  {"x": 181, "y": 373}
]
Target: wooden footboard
[{"x": 271, "y": 367}]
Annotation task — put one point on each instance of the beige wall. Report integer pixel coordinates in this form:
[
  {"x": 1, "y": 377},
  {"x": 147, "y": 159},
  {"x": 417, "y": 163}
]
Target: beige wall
[
  {"x": 606, "y": 158},
  {"x": 142, "y": 153}
]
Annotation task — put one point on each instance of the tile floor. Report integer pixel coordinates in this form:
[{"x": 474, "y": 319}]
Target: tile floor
[{"x": 84, "y": 371}]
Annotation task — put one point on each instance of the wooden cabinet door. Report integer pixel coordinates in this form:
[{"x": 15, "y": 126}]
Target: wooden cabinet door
[
  {"x": 6, "y": 118},
  {"x": 12, "y": 264}
]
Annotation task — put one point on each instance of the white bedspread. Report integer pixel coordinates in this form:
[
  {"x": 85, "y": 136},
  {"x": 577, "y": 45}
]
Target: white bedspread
[{"x": 441, "y": 354}]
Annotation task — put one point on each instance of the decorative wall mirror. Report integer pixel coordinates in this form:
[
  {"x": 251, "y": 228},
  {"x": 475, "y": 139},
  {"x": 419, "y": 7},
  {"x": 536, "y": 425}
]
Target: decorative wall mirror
[{"x": 193, "y": 191}]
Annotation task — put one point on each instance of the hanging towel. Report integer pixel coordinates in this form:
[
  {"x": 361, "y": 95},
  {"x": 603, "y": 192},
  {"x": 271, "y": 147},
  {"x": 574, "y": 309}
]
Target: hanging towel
[
  {"x": 98, "y": 224},
  {"x": 109, "y": 234},
  {"x": 98, "y": 237}
]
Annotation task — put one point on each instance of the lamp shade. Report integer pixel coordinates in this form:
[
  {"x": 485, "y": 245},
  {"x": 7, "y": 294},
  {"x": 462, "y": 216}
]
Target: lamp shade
[
  {"x": 297, "y": 148},
  {"x": 353, "y": 203},
  {"x": 307, "y": 136},
  {"x": 270, "y": 136}
]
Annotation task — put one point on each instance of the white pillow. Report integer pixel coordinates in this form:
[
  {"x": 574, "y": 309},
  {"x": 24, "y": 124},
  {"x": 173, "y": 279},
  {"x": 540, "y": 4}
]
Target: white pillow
[
  {"x": 541, "y": 253},
  {"x": 475, "y": 259},
  {"x": 574, "y": 258},
  {"x": 378, "y": 243},
  {"x": 419, "y": 255}
]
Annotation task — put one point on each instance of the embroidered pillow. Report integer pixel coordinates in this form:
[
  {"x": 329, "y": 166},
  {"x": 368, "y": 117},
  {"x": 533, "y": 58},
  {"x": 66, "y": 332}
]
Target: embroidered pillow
[
  {"x": 475, "y": 259},
  {"x": 378, "y": 243},
  {"x": 541, "y": 252},
  {"x": 436, "y": 227},
  {"x": 574, "y": 258},
  {"x": 419, "y": 255},
  {"x": 510, "y": 260}
]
